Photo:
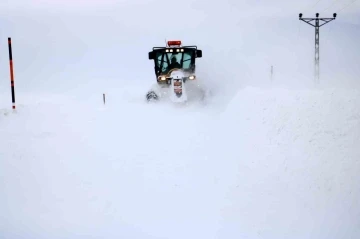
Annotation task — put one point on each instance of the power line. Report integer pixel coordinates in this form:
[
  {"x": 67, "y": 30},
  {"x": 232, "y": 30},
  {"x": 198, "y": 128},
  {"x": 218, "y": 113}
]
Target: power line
[
  {"x": 332, "y": 4},
  {"x": 312, "y": 6},
  {"x": 350, "y": 3},
  {"x": 316, "y": 3}
]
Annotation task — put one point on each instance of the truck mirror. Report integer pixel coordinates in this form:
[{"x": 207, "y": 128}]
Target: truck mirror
[{"x": 151, "y": 55}]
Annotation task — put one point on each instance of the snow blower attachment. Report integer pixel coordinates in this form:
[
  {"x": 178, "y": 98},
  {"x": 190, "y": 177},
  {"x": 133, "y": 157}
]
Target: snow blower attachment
[{"x": 174, "y": 66}]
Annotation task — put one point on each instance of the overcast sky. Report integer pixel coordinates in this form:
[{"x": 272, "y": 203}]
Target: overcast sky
[{"x": 60, "y": 44}]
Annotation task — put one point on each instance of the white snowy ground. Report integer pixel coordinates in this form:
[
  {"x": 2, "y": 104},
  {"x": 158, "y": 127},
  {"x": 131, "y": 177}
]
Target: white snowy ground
[{"x": 266, "y": 163}]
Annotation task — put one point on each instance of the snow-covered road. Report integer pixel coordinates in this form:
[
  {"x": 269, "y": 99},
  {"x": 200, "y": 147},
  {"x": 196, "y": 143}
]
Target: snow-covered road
[{"x": 268, "y": 163}]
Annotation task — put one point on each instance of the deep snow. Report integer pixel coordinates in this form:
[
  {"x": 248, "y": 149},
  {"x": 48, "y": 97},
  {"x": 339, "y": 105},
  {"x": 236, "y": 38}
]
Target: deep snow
[
  {"x": 260, "y": 159},
  {"x": 271, "y": 163}
]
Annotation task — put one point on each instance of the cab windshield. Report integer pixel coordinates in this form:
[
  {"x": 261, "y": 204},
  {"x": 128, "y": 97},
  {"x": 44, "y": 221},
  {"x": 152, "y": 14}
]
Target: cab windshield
[{"x": 165, "y": 61}]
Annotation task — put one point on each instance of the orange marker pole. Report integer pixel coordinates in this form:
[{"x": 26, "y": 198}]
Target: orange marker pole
[{"x": 11, "y": 74}]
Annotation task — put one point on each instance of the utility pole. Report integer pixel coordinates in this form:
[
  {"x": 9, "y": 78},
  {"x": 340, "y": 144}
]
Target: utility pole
[
  {"x": 317, "y": 26},
  {"x": 271, "y": 74}
]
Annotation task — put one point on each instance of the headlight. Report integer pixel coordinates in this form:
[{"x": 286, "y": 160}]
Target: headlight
[
  {"x": 191, "y": 77},
  {"x": 162, "y": 78}
]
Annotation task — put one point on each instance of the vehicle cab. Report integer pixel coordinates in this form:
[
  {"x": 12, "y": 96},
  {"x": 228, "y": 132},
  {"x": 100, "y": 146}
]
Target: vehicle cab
[{"x": 174, "y": 57}]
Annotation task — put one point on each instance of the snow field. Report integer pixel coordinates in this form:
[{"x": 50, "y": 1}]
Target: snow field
[{"x": 270, "y": 163}]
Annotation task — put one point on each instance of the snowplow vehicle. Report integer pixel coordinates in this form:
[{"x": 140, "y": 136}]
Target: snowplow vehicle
[{"x": 174, "y": 68}]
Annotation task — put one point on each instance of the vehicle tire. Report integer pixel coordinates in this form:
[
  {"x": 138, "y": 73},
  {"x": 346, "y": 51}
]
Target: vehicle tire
[{"x": 151, "y": 95}]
